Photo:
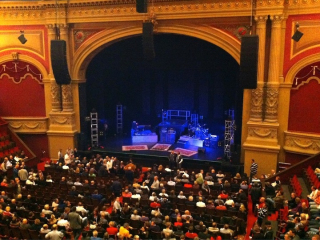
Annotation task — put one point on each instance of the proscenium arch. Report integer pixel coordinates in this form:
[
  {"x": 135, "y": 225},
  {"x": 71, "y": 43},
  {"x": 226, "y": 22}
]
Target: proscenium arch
[{"x": 95, "y": 44}]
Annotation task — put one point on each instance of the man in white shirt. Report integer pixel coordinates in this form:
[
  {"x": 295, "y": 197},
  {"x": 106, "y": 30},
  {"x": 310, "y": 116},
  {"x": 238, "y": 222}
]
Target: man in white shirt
[
  {"x": 60, "y": 155},
  {"x": 109, "y": 163},
  {"x": 200, "y": 203},
  {"x": 171, "y": 183},
  {"x": 156, "y": 183},
  {"x": 163, "y": 193},
  {"x": 67, "y": 159},
  {"x": 136, "y": 196},
  {"x": 80, "y": 208},
  {"x": 117, "y": 205},
  {"x": 313, "y": 194}
]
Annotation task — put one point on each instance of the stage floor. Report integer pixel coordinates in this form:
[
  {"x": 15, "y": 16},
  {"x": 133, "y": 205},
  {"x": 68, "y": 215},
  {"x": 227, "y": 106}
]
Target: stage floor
[{"x": 115, "y": 144}]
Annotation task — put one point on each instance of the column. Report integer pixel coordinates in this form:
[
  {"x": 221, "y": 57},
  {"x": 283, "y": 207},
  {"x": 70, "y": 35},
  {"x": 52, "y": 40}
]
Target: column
[
  {"x": 257, "y": 94},
  {"x": 67, "y": 99},
  {"x": 272, "y": 98},
  {"x": 62, "y": 130},
  {"x": 55, "y": 97},
  {"x": 67, "y": 102}
]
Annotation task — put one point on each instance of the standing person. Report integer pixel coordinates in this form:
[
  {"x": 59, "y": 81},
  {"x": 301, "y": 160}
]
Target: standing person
[
  {"x": 171, "y": 160},
  {"x": 256, "y": 193},
  {"x": 54, "y": 234},
  {"x": 253, "y": 169},
  {"x": 179, "y": 160},
  {"x": 60, "y": 155},
  {"x": 75, "y": 222}
]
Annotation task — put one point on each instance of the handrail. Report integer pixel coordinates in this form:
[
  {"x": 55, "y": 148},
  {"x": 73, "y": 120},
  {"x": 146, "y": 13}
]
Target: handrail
[{"x": 297, "y": 169}]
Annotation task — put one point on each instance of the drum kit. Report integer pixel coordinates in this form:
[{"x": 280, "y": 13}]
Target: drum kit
[{"x": 202, "y": 132}]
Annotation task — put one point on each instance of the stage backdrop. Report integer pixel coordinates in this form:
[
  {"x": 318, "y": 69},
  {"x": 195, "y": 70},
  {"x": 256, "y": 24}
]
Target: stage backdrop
[{"x": 187, "y": 74}]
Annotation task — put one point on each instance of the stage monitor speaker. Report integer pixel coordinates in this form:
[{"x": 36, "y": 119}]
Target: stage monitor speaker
[
  {"x": 142, "y": 6},
  {"x": 201, "y": 150},
  {"x": 249, "y": 61},
  {"x": 147, "y": 40},
  {"x": 59, "y": 62}
]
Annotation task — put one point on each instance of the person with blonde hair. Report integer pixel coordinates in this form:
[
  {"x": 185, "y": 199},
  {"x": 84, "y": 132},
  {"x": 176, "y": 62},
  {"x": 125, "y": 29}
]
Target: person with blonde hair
[
  {"x": 46, "y": 210},
  {"x": 95, "y": 235},
  {"x": 45, "y": 229}
]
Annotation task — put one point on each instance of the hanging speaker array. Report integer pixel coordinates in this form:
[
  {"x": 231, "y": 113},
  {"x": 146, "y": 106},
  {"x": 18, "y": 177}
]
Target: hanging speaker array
[
  {"x": 142, "y": 6},
  {"x": 147, "y": 40},
  {"x": 59, "y": 62},
  {"x": 249, "y": 61}
]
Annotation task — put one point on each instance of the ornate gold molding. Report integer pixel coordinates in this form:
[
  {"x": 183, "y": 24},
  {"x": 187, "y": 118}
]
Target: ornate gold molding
[
  {"x": 28, "y": 125},
  {"x": 256, "y": 104},
  {"x": 62, "y": 122},
  {"x": 302, "y": 143},
  {"x": 272, "y": 101},
  {"x": 262, "y": 132},
  {"x": 262, "y": 135}
]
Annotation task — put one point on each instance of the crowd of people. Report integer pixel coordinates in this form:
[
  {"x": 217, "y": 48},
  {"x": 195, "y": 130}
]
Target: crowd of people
[
  {"x": 126, "y": 201},
  {"x": 101, "y": 197}
]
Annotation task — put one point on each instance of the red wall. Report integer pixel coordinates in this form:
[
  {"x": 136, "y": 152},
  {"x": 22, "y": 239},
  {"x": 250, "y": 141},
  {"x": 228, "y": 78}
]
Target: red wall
[
  {"x": 294, "y": 158},
  {"x": 37, "y": 143},
  {"x": 21, "y": 99},
  {"x": 305, "y": 108}
]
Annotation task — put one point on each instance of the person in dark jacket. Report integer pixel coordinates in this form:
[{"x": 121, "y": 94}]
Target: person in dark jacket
[
  {"x": 255, "y": 193},
  {"x": 116, "y": 187},
  {"x": 75, "y": 222}
]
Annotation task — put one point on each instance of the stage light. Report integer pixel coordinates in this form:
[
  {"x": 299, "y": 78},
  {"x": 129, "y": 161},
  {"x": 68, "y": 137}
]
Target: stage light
[
  {"x": 297, "y": 35},
  {"x": 22, "y": 38}
]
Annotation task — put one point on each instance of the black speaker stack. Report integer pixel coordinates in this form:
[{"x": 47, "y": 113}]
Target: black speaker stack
[
  {"x": 59, "y": 62},
  {"x": 249, "y": 61}
]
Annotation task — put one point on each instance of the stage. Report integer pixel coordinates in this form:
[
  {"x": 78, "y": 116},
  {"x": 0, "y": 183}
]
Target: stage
[{"x": 147, "y": 157}]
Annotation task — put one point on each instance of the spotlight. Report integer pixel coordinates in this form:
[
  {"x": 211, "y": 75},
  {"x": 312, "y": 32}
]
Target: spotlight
[
  {"x": 297, "y": 35},
  {"x": 21, "y": 38}
]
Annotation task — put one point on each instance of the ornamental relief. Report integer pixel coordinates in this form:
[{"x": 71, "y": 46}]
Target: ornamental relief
[
  {"x": 61, "y": 120},
  {"x": 302, "y": 144},
  {"x": 272, "y": 101},
  {"x": 28, "y": 126},
  {"x": 256, "y": 103},
  {"x": 80, "y": 36},
  {"x": 39, "y": 12},
  {"x": 262, "y": 132}
]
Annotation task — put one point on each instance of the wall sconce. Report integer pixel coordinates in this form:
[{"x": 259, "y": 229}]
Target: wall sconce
[
  {"x": 297, "y": 35},
  {"x": 21, "y": 38}
]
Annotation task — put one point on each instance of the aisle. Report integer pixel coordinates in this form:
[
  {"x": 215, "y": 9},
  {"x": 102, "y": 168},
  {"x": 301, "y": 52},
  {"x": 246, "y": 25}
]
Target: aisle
[{"x": 252, "y": 219}]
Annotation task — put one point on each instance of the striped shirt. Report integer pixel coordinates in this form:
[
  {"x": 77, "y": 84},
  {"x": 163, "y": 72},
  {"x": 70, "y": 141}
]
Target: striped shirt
[{"x": 254, "y": 168}]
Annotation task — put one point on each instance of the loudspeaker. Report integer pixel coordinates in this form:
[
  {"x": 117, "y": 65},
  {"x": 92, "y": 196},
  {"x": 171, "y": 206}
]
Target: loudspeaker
[
  {"x": 142, "y": 6},
  {"x": 201, "y": 150},
  {"x": 22, "y": 39},
  {"x": 249, "y": 61},
  {"x": 297, "y": 35},
  {"x": 147, "y": 40},
  {"x": 59, "y": 62}
]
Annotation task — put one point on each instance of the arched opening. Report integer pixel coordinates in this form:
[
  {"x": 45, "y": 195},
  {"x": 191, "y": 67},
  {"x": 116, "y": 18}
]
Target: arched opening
[{"x": 186, "y": 74}]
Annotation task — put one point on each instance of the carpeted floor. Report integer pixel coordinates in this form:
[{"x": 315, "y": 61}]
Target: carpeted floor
[{"x": 252, "y": 219}]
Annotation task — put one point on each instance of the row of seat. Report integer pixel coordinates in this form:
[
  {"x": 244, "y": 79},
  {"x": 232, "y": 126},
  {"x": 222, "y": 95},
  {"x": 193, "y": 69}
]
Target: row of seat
[
  {"x": 296, "y": 186},
  {"x": 312, "y": 177}
]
